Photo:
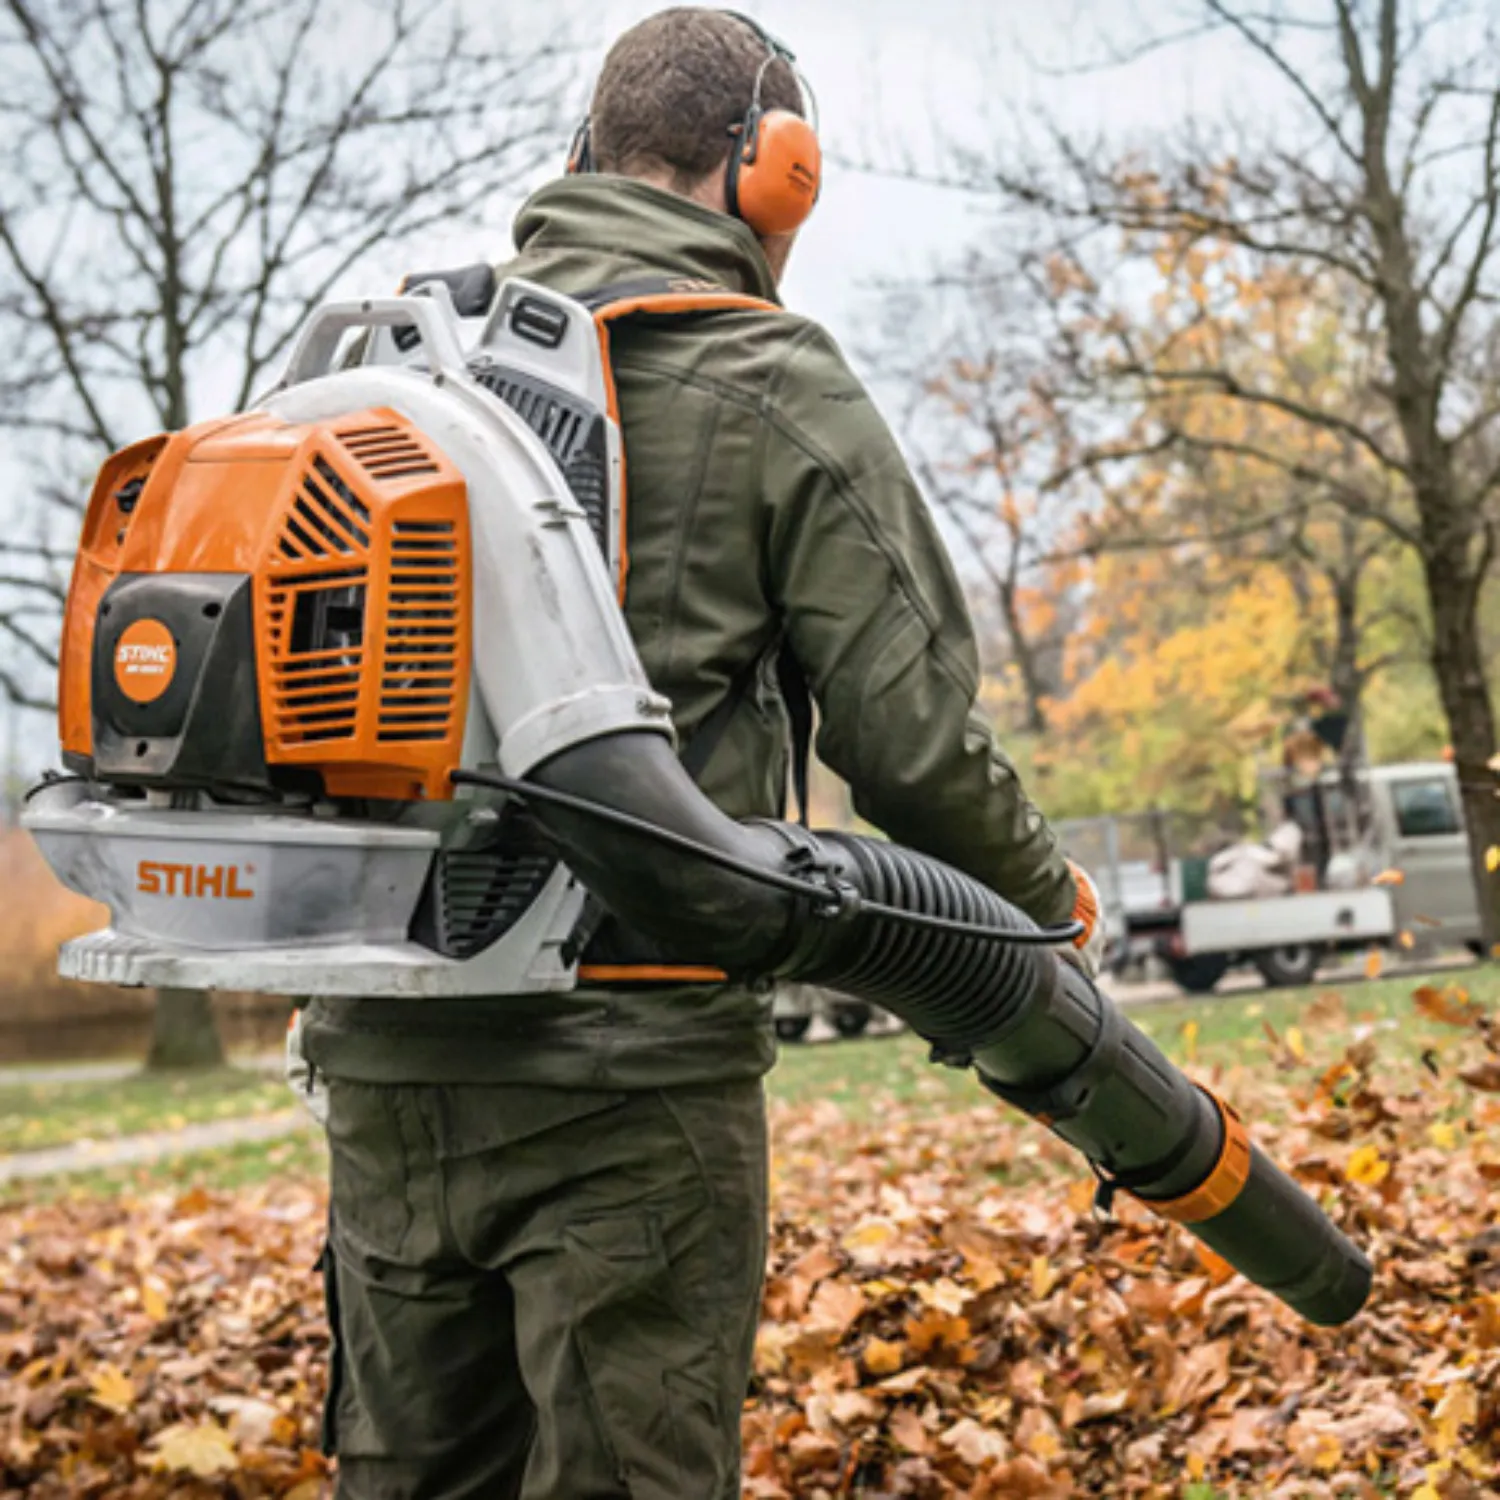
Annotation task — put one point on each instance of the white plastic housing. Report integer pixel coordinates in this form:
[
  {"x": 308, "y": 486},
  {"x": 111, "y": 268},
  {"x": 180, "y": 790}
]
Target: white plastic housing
[{"x": 323, "y": 907}]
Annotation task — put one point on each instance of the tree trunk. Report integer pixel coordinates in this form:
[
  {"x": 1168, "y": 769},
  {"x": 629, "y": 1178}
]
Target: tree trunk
[
  {"x": 1347, "y": 681},
  {"x": 184, "y": 1033},
  {"x": 1024, "y": 655},
  {"x": 1458, "y": 664}
]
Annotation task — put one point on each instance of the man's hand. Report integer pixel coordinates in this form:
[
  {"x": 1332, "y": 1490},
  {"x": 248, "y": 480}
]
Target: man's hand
[{"x": 1088, "y": 947}]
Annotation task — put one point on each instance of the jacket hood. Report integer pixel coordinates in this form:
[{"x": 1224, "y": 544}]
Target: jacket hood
[{"x": 588, "y": 231}]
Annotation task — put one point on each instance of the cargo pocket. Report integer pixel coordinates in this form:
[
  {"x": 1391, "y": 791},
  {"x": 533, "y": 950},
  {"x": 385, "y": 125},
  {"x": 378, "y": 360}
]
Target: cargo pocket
[
  {"x": 373, "y": 1176},
  {"x": 651, "y": 1361}
]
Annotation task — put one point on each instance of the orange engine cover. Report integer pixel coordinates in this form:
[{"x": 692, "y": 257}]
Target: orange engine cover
[{"x": 358, "y": 520}]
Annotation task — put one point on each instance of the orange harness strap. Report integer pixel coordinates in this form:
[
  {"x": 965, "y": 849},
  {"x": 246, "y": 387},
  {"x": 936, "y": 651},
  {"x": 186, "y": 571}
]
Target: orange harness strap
[
  {"x": 689, "y": 298},
  {"x": 666, "y": 297}
]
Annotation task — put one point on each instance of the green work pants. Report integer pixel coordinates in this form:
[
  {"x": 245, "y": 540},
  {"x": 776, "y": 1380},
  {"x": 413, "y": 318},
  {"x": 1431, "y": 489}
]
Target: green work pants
[{"x": 543, "y": 1294}]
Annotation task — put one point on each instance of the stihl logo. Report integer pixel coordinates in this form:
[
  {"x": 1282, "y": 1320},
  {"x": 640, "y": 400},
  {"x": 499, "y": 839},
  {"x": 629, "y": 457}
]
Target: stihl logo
[
  {"x": 159, "y": 657},
  {"x": 145, "y": 660},
  {"x": 215, "y": 882}
]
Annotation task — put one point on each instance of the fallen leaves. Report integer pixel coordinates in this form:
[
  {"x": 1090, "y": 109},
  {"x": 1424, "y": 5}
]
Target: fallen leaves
[
  {"x": 112, "y": 1388},
  {"x": 944, "y": 1314},
  {"x": 1013, "y": 1345},
  {"x": 163, "y": 1347}
]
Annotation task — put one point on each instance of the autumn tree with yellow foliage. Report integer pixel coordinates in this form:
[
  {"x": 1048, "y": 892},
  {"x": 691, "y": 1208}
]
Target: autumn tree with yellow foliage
[{"x": 1373, "y": 156}]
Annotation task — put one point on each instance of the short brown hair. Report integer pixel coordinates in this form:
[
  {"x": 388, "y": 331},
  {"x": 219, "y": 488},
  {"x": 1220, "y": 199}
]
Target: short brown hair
[{"x": 673, "y": 87}]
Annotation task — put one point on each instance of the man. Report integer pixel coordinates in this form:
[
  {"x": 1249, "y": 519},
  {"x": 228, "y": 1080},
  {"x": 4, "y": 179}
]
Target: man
[{"x": 549, "y": 1215}]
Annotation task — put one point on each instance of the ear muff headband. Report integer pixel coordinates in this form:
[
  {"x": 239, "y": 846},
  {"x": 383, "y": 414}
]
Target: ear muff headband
[
  {"x": 581, "y": 149},
  {"x": 776, "y": 165}
]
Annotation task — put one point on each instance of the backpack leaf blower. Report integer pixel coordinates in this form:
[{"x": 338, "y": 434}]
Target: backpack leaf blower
[{"x": 348, "y": 706}]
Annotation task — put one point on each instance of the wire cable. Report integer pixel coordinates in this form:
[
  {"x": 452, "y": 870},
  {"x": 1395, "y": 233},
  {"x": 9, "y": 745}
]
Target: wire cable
[{"x": 829, "y": 900}]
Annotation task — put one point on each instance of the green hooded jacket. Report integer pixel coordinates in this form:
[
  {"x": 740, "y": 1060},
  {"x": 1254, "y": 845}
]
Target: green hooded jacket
[{"x": 767, "y": 500}]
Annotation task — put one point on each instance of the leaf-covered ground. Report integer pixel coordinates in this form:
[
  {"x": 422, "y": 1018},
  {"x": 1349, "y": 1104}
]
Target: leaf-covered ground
[{"x": 944, "y": 1314}]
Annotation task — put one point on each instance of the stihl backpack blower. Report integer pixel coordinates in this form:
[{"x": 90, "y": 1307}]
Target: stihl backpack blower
[{"x": 349, "y": 707}]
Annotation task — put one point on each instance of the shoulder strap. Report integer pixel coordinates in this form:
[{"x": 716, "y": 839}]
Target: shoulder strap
[
  {"x": 654, "y": 296},
  {"x": 666, "y": 294},
  {"x": 668, "y": 297}
]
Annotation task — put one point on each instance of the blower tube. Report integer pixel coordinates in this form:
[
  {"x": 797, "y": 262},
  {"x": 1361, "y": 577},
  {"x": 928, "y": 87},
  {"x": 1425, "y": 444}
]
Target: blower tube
[{"x": 964, "y": 970}]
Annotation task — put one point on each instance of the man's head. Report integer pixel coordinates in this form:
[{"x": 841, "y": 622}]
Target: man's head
[{"x": 671, "y": 96}]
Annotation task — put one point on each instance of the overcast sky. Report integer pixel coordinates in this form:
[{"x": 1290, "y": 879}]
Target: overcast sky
[{"x": 894, "y": 76}]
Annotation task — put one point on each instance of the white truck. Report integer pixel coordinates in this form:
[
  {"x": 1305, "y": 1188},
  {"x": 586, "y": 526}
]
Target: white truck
[{"x": 1389, "y": 865}]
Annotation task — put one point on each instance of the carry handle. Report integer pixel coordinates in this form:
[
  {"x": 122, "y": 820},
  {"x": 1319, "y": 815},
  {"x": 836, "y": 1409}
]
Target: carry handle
[{"x": 431, "y": 312}]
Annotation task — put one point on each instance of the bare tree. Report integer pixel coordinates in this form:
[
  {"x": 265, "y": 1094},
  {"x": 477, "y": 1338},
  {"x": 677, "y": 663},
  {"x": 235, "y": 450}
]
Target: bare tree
[
  {"x": 185, "y": 180},
  {"x": 984, "y": 433},
  {"x": 1374, "y": 156}
]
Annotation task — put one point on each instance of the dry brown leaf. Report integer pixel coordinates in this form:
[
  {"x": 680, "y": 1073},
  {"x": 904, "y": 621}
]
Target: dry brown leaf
[
  {"x": 1451, "y": 1005},
  {"x": 1483, "y": 1076},
  {"x": 975, "y": 1444},
  {"x": 1202, "y": 1372},
  {"x": 906, "y": 1428},
  {"x": 836, "y": 1306}
]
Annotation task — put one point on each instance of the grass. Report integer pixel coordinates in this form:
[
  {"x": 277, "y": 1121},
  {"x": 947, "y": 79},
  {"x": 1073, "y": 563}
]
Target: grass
[
  {"x": 37, "y": 1115},
  {"x": 299, "y": 1155},
  {"x": 860, "y": 1077}
]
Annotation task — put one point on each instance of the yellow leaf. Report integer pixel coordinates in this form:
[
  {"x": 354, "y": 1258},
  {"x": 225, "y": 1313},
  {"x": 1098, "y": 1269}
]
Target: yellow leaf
[
  {"x": 881, "y": 1357},
  {"x": 872, "y": 1234},
  {"x": 112, "y": 1388},
  {"x": 1329, "y": 1455},
  {"x": 1374, "y": 963},
  {"x": 945, "y": 1294},
  {"x": 1406, "y": 940},
  {"x": 1196, "y": 1467},
  {"x": 1189, "y": 1040},
  {"x": 153, "y": 1303},
  {"x": 1458, "y": 1408},
  {"x": 1390, "y": 877},
  {"x": 1043, "y": 1277},
  {"x": 1295, "y": 1045},
  {"x": 1425, "y": 1492},
  {"x": 1082, "y": 1194},
  {"x": 1367, "y": 1166},
  {"x": 202, "y": 1448},
  {"x": 1492, "y": 858},
  {"x": 1442, "y": 1135}
]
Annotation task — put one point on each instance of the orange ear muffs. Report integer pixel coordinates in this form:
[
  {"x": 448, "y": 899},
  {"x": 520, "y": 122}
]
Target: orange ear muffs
[{"x": 774, "y": 171}]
